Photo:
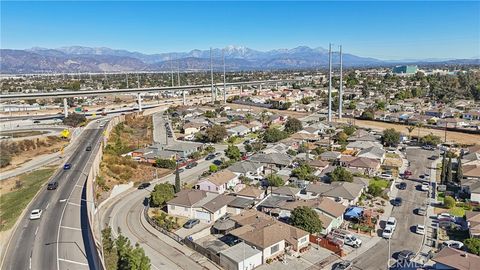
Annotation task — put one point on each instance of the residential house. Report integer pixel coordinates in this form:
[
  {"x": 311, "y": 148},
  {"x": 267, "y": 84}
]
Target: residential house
[
  {"x": 286, "y": 191},
  {"x": 220, "y": 182},
  {"x": 278, "y": 160},
  {"x": 251, "y": 192},
  {"x": 206, "y": 206},
  {"x": 360, "y": 145},
  {"x": 272, "y": 237},
  {"x": 192, "y": 128},
  {"x": 240, "y": 257},
  {"x": 368, "y": 166},
  {"x": 330, "y": 156},
  {"x": 450, "y": 258},
  {"x": 373, "y": 152},
  {"x": 473, "y": 221},
  {"x": 471, "y": 115},
  {"x": 183, "y": 149},
  {"x": 345, "y": 193},
  {"x": 239, "y": 130},
  {"x": 239, "y": 205},
  {"x": 247, "y": 168}
]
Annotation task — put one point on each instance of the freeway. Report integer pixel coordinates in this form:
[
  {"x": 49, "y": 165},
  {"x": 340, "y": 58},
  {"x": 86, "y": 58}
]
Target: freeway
[
  {"x": 125, "y": 213},
  {"x": 58, "y": 94},
  {"x": 59, "y": 239},
  {"x": 404, "y": 237}
]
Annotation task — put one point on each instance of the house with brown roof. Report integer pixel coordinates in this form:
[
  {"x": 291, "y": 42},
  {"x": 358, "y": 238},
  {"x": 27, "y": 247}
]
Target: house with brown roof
[
  {"x": 251, "y": 192},
  {"x": 450, "y": 258},
  {"x": 220, "y": 182},
  {"x": 269, "y": 235},
  {"x": 473, "y": 221},
  {"x": 366, "y": 165},
  {"x": 206, "y": 206}
]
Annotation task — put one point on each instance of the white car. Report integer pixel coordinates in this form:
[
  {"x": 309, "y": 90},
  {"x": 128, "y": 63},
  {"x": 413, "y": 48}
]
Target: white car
[
  {"x": 425, "y": 187},
  {"x": 453, "y": 244},
  {"x": 392, "y": 222},
  {"x": 386, "y": 176},
  {"x": 420, "y": 229},
  {"x": 387, "y": 232},
  {"x": 446, "y": 217},
  {"x": 36, "y": 214}
]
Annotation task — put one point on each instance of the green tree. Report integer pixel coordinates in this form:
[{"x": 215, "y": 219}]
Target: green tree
[
  {"x": 430, "y": 139},
  {"x": 307, "y": 219},
  {"x": 374, "y": 189},
  {"x": 74, "y": 119},
  {"x": 210, "y": 114},
  {"x": 166, "y": 163},
  {"x": 293, "y": 125},
  {"x": 233, "y": 153},
  {"x": 449, "y": 202},
  {"x": 473, "y": 245},
  {"x": 272, "y": 135},
  {"x": 349, "y": 130},
  {"x": 367, "y": 115},
  {"x": 341, "y": 137},
  {"x": 391, "y": 137},
  {"x": 449, "y": 170},
  {"x": 341, "y": 174},
  {"x": 459, "y": 175},
  {"x": 161, "y": 193},
  {"x": 178, "y": 185},
  {"x": 444, "y": 170},
  {"x": 275, "y": 181},
  {"x": 213, "y": 168},
  {"x": 303, "y": 171},
  {"x": 109, "y": 250},
  {"x": 130, "y": 258},
  {"x": 215, "y": 133}
]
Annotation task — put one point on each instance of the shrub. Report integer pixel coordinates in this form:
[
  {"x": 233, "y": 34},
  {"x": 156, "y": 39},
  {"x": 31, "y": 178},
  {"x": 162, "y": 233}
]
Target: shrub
[{"x": 449, "y": 202}]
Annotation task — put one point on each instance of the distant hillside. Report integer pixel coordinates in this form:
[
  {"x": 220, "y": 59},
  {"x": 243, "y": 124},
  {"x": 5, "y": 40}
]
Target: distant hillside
[{"x": 87, "y": 59}]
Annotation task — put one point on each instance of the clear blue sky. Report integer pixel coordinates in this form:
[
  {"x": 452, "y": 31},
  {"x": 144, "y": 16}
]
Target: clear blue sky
[{"x": 385, "y": 30}]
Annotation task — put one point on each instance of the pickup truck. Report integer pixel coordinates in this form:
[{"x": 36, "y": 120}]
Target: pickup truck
[{"x": 347, "y": 238}]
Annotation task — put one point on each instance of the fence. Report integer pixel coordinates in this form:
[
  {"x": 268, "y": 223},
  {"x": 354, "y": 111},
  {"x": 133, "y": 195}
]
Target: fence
[
  {"x": 205, "y": 252},
  {"x": 154, "y": 224}
]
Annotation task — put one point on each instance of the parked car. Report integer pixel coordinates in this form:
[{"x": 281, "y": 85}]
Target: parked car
[
  {"x": 402, "y": 186},
  {"x": 52, "y": 185},
  {"x": 191, "y": 223},
  {"x": 36, "y": 214},
  {"x": 424, "y": 187},
  {"x": 210, "y": 157},
  {"x": 397, "y": 201},
  {"x": 420, "y": 229},
  {"x": 387, "y": 232},
  {"x": 428, "y": 147},
  {"x": 181, "y": 170},
  {"x": 453, "y": 244},
  {"x": 191, "y": 165},
  {"x": 408, "y": 173},
  {"x": 36, "y": 122},
  {"x": 347, "y": 238},
  {"x": 446, "y": 217},
  {"x": 144, "y": 185},
  {"x": 217, "y": 162},
  {"x": 343, "y": 265},
  {"x": 386, "y": 176},
  {"x": 405, "y": 255},
  {"x": 67, "y": 166},
  {"x": 392, "y": 222},
  {"x": 422, "y": 210}
]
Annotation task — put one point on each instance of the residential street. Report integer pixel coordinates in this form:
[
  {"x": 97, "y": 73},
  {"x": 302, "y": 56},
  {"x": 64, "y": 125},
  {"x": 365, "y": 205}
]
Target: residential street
[{"x": 404, "y": 237}]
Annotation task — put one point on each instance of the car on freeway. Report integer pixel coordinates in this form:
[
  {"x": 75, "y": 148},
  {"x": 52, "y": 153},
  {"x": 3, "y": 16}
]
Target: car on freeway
[
  {"x": 210, "y": 157},
  {"x": 89, "y": 148},
  {"x": 191, "y": 223},
  {"x": 397, "y": 201},
  {"x": 387, "y": 232},
  {"x": 52, "y": 185},
  {"x": 434, "y": 157},
  {"x": 343, "y": 265},
  {"x": 36, "y": 214},
  {"x": 420, "y": 229},
  {"x": 191, "y": 165},
  {"x": 424, "y": 187},
  {"x": 453, "y": 244},
  {"x": 402, "y": 186},
  {"x": 144, "y": 185},
  {"x": 67, "y": 166}
]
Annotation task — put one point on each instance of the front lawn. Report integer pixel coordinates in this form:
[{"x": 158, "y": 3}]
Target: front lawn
[
  {"x": 457, "y": 211},
  {"x": 379, "y": 182}
]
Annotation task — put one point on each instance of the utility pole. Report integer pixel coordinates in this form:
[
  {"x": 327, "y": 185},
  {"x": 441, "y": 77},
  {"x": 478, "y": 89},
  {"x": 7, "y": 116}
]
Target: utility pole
[
  {"x": 340, "y": 92},
  {"x": 171, "y": 71},
  {"x": 178, "y": 71},
  {"x": 211, "y": 75},
  {"x": 330, "y": 82},
  {"x": 126, "y": 78},
  {"x": 224, "y": 79},
  {"x": 138, "y": 81}
]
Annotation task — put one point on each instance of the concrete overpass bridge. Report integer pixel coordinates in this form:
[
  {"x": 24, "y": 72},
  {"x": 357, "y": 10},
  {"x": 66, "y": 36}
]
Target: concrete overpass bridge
[{"x": 139, "y": 91}]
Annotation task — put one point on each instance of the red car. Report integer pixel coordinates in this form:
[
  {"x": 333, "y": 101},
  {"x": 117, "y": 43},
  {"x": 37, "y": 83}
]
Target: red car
[{"x": 407, "y": 174}]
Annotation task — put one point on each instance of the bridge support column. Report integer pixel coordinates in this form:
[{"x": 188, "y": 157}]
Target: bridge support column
[
  {"x": 139, "y": 99},
  {"x": 224, "y": 94},
  {"x": 276, "y": 86},
  {"x": 260, "y": 89},
  {"x": 65, "y": 107},
  {"x": 184, "y": 99},
  {"x": 241, "y": 89}
]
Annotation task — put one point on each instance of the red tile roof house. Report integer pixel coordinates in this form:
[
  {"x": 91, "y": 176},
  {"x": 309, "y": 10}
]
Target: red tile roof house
[
  {"x": 449, "y": 258},
  {"x": 272, "y": 237}
]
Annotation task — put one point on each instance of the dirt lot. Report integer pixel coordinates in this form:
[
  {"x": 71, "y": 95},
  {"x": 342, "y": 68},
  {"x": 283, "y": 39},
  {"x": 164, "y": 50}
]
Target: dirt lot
[
  {"x": 259, "y": 109},
  {"x": 457, "y": 137},
  {"x": 25, "y": 150}
]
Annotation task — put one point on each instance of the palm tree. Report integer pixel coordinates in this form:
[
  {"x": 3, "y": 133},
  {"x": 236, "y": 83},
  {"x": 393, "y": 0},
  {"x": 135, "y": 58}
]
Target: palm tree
[{"x": 410, "y": 129}]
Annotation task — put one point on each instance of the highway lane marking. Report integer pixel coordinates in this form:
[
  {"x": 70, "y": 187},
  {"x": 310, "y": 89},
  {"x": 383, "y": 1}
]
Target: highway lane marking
[
  {"x": 79, "y": 186},
  {"x": 48, "y": 204},
  {"x": 76, "y": 204},
  {"x": 30, "y": 263},
  {"x": 36, "y": 231},
  {"x": 74, "y": 262},
  {"x": 70, "y": 228}
]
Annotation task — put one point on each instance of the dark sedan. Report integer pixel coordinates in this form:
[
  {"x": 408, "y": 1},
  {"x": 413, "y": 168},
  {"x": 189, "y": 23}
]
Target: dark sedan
[{"x": 397, "y": 201}]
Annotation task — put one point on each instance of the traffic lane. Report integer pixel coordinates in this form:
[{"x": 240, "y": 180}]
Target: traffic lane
[
  {"x": 45, "y": 249},
  {"x": 31, "y": 231},
  {"x": 419, "y": 162}
]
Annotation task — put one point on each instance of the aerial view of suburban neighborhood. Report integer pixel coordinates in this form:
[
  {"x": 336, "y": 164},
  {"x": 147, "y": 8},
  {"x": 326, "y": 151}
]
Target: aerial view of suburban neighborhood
[{"x": 339, "y": 135}]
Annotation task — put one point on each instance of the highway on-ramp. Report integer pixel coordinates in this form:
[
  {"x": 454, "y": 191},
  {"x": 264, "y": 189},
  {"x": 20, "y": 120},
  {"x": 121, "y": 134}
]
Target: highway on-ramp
[{"x": 60, "y": 238}]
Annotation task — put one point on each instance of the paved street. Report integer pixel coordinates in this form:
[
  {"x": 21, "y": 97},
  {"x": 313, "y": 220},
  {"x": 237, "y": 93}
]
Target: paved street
[
  {"x": 125, "y": 212},
  {"x": 404, "y": 237},
  {"x": 59, "y": 240}
]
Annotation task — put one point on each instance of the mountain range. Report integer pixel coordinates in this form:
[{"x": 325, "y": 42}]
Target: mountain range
[{"x": 101, "y": 59}]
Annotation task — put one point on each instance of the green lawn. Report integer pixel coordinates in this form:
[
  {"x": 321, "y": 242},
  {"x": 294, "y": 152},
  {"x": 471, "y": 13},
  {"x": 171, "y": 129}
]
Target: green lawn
[
  {"x": 252, "y": 135},
  {"x": 12, "y": 203},
  {"x": 392, "y": 155},
  {"x": 379, "y": 182}
]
